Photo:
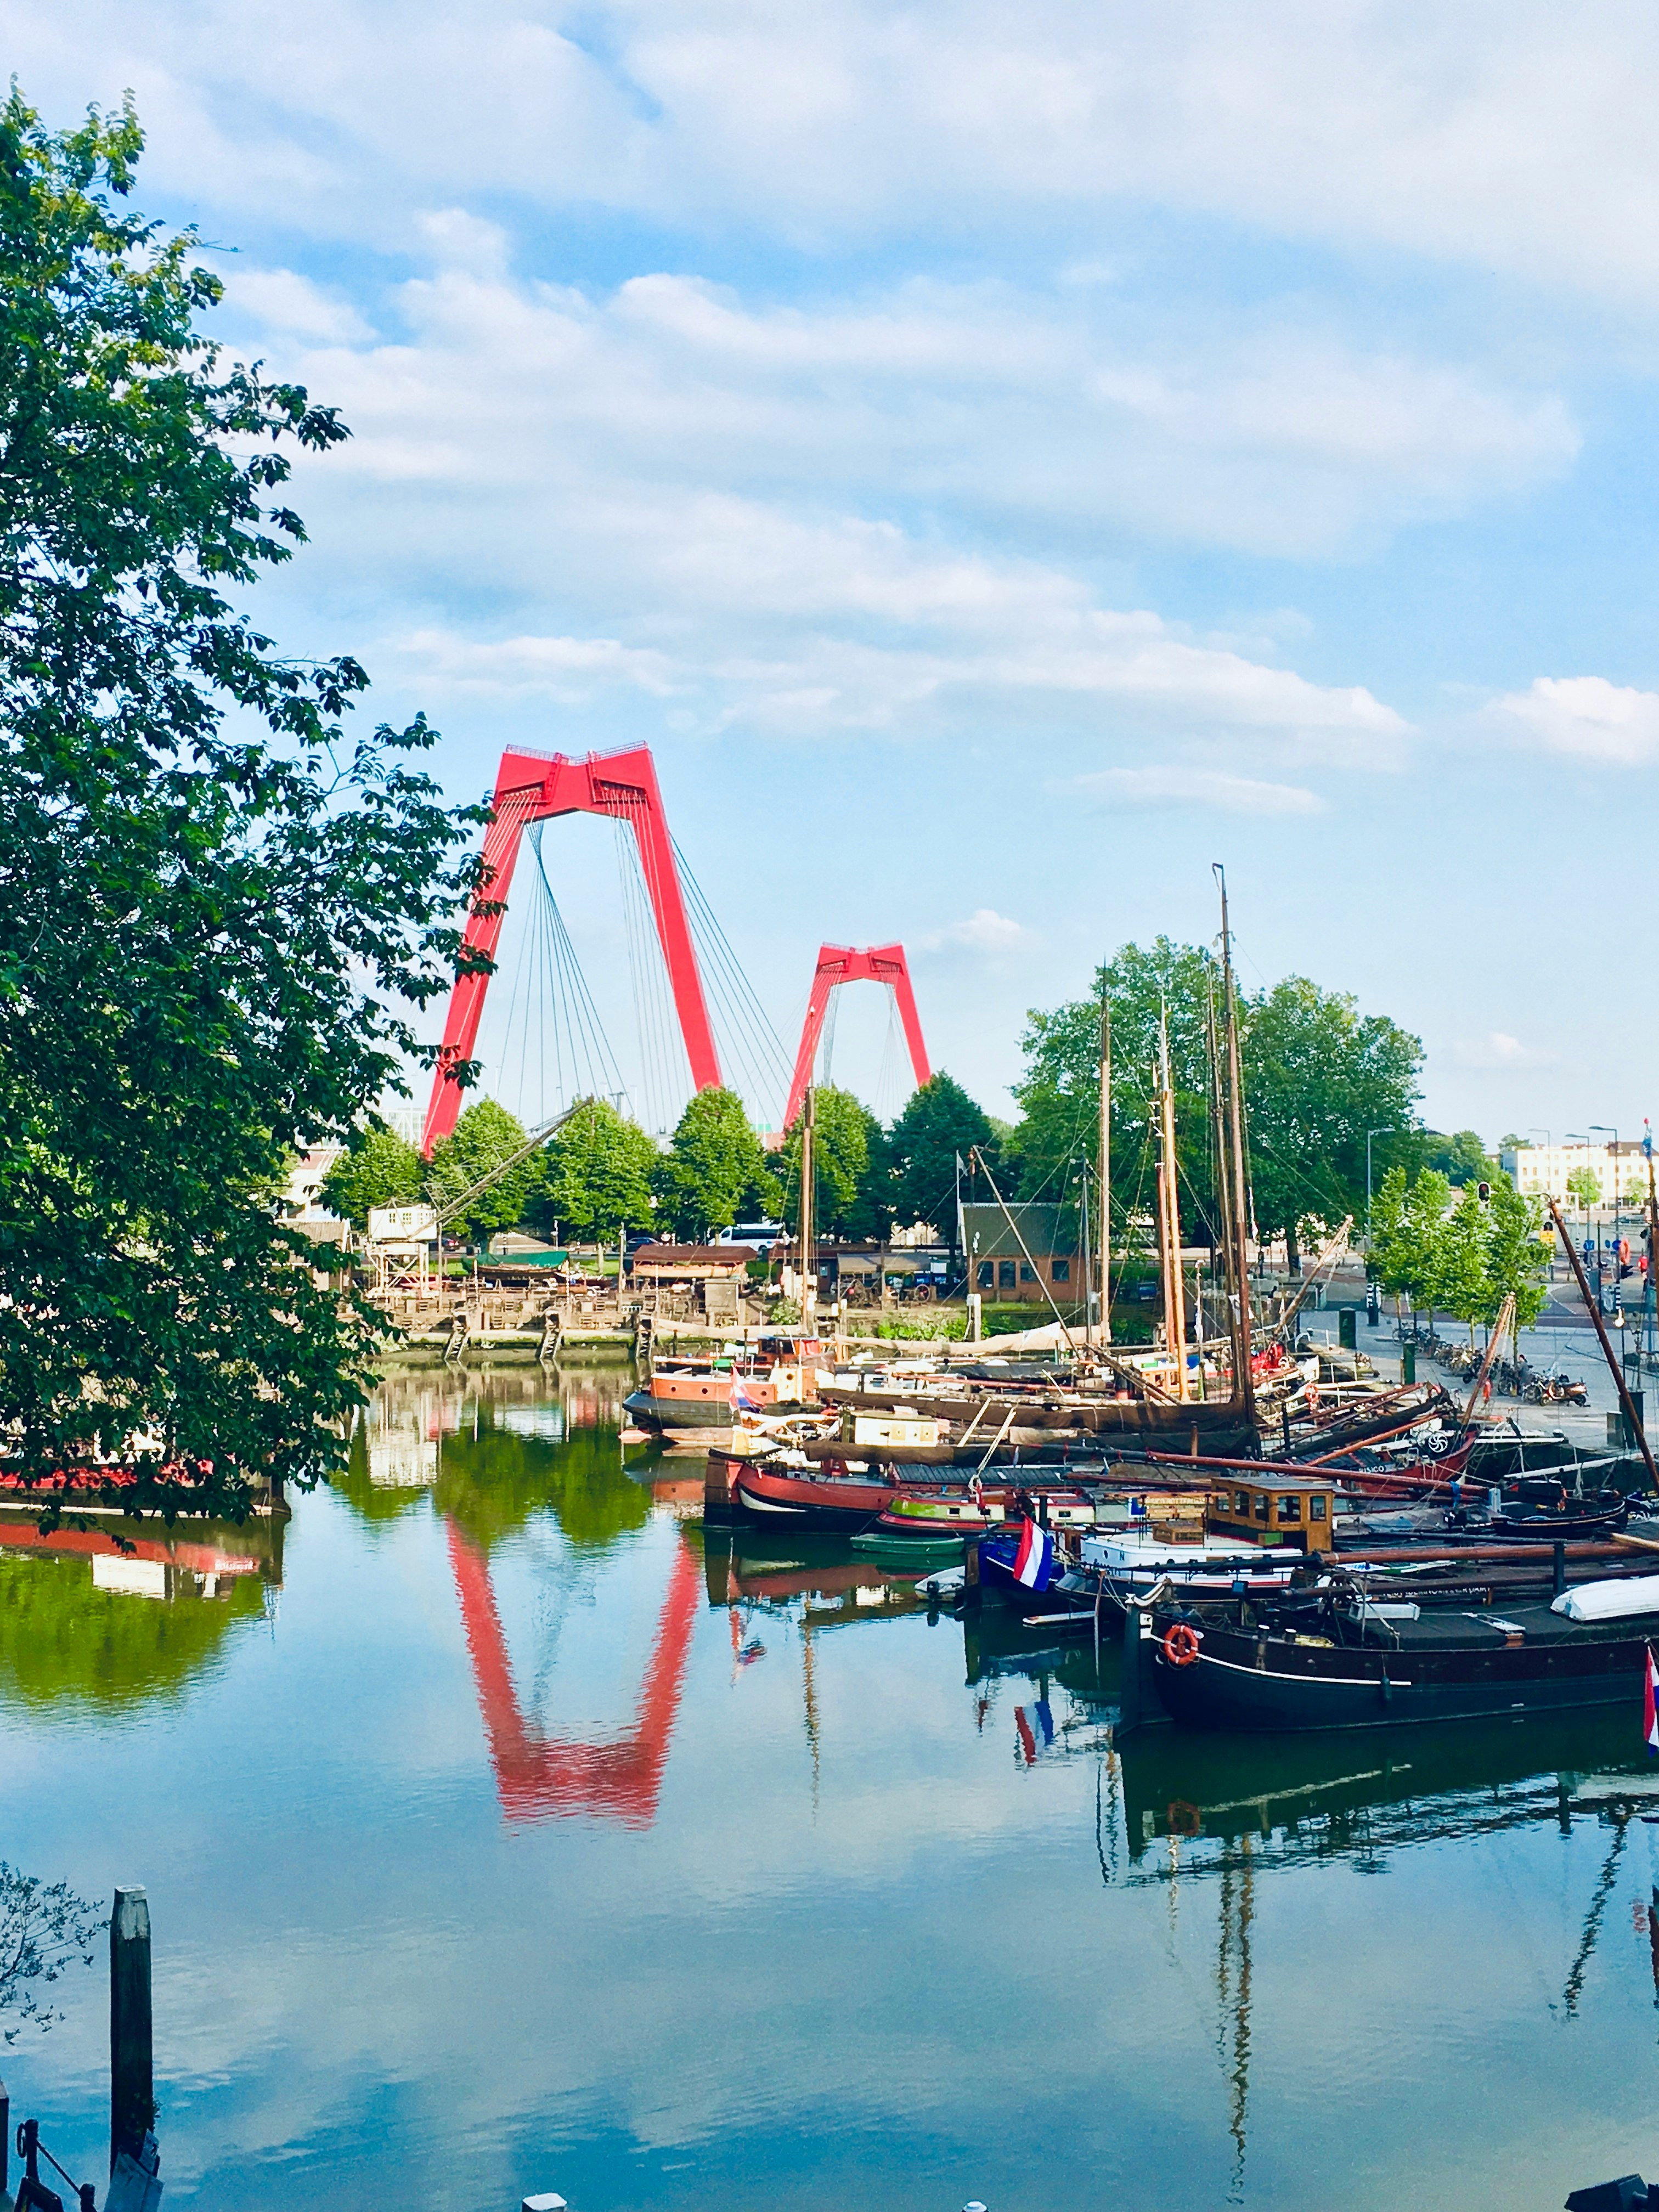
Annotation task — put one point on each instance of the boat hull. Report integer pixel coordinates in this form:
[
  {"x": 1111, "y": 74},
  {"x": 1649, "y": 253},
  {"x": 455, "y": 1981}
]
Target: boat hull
[
  {"x": 825, "y": 1502},
  {"x": 1337, "y": 1687}
]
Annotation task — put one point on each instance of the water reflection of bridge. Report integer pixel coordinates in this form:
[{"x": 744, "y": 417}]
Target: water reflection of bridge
[{"x": 538, "y": 1775}]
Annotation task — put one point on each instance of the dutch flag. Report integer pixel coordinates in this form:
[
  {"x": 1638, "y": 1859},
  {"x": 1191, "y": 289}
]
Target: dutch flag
[
  {"x": 740, "y": 1399},
  {"x": 1035, "y": 1557},
  {"x": 1650, "y": 1702}
]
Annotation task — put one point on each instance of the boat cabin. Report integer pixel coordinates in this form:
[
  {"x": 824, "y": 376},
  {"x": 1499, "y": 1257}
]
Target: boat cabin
[{"x": 1295, "y": 1510}]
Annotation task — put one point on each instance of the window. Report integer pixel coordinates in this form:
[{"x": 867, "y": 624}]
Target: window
[
  {"x": 988, "y": 1274},
  {"x": 1027, "y": 1272},
  {"x": 1062, "y": 1271},
  {"x": 1243, "y": 1498},
  {"x": 1262, "y": 1507},
  {"x": 1315, "y": 1509},
  {"x": 1005, "y": 1274},
  {"x": 1289, "y": 1508}
]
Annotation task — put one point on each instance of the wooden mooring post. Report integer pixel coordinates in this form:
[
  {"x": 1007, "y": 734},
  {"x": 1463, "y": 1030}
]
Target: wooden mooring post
[{"x": 131, "y": 2070}]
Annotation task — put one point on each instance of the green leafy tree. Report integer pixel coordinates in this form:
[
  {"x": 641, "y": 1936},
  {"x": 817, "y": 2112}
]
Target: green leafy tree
[
  {"x": 217, "y": 906},
  {"x": 44, "y": 1929},
  {"x": 594, "y": 1175},
  {"x": 714, "y": 1172},
  {"x": 1390, "y": 1262},
  {"x": 1584, "y": 1188},
  {"x": 1060, "y": 1091},
  {"x": 1422, "y": 1234},
  {"x": 940, "y": 1122},
  {"x": 1462, "y": 1158},
  {"x": 1517, "y": 1255},
  {"x": 377, "y": 1168},
  {"x": 1463, "y": 1280},
  {"x": 850, "y": 1196},
  {"x": 1317, "y": 1075},
  {"x": 484, "y": 1136}
]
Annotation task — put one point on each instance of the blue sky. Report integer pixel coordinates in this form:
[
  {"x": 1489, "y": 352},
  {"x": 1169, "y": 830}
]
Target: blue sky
[{"x": 1001, "y": 460}]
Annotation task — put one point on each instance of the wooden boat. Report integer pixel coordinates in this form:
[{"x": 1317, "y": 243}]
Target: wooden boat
[
  {"x": 685, "y": 1392},
  {"x": 804, "y": 1498},
  {"x": 1368, "y": 1665}
]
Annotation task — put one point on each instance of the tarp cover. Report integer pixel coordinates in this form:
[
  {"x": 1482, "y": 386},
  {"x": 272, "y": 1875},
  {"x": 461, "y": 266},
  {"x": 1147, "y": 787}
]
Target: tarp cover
[{"x": 1609, "y": 1600}]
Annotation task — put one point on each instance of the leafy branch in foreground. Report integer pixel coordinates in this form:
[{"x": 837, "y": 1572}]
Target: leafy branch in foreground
[
  {"x": 217, "y": 911},
  {"x": 44, "y": 1930}
]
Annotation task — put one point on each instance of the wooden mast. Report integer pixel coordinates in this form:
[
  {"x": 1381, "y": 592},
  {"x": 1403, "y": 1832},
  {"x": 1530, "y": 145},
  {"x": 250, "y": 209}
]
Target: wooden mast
[
  {"x": 1244, "y": 1382},
  {"x": 1105, "y": 1240},
  {"x": 1238, "y": 1344},
  {"x": 1174, "y": 1288}
]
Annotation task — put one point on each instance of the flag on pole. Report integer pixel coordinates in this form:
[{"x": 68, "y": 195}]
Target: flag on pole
[
  {"x": 740, "y": 1399},
  {"x": 1651, "y": 1701},
  {"x": 1035, "y": 1558}
]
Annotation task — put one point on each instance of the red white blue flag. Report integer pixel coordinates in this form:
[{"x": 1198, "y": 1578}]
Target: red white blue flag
[
  {"x": 1651, "y": 1701},
  {"x": 1035, "y": 1558},
  {"x": 740, "y": 1399}
]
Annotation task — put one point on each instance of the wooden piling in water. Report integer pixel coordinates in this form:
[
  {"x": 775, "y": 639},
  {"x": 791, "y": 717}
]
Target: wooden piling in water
[{"x": 132, "y": 2071}]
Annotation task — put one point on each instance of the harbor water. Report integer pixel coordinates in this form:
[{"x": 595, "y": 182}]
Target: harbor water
[{"x": 504, "y": 1831}]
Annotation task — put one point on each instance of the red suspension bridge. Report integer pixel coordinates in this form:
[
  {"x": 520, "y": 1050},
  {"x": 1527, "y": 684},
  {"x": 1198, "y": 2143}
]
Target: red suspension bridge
[{"x": 533, "y": 788}]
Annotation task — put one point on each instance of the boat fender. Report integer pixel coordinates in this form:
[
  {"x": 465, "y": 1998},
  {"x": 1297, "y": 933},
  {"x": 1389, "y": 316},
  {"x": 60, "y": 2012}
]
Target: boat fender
[{"x": 1181, "y": 1644}]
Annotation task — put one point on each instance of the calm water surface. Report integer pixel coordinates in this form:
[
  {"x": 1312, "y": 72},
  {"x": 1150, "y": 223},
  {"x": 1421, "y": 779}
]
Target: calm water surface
[{"x": 500, "y": 1836}]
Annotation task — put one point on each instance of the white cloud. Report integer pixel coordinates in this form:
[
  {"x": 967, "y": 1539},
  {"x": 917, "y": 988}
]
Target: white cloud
[
  {"x": 1515, "y": 137},
  {"x": 1585, "y": 717},
  {"x": 1178, "y": 786},
  {"x": 556, "y": 667},
  {"x": 283, "y": 301},
  {"x": 1496, "y": 1050},
  {"x": 984, "y": 930}
]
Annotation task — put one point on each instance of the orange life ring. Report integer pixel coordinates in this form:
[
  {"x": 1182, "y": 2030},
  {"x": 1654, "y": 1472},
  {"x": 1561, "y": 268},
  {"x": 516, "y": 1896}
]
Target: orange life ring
[{"x": 1181, "y": 1644}]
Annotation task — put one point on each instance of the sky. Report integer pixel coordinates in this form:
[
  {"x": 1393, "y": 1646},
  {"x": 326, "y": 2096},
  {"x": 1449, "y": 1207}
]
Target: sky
[{"x": 1001, "y": 461}]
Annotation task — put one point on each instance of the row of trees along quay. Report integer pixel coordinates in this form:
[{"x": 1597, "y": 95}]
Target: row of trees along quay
[
  {"x": 228, "y": 895},
  {"x": 1462, "y": 1253}
]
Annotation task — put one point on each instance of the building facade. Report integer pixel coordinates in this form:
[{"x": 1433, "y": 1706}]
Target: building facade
[{"x": 1541, "y": 1170}]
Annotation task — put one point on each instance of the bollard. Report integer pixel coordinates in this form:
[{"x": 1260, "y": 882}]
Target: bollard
[
  {"x": 1347, "y": 1330},
  {"x": 131, "y": 2077},
  {"x": 1408, "y": 1363}
]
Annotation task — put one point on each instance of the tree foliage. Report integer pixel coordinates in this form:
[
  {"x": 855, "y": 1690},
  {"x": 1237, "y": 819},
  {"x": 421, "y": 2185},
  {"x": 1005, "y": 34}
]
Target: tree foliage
[
  {"x": 940, "y": 1122},
  {"x": 44, "y": 1929},
  {"x": 484, "y": 1136},
  {"x": 714, "y": 1172},
  {"x": 216, "y": 907},
  {"x": 1317, "y": 1075},
  {"x": 593, "y": 1176},
  {"x": 377, "y": 1168},
  {"x": 850, "y": 1180},
  {"x": 1461, "y": 1158},
  {"x": 1464, "y": 1259}
]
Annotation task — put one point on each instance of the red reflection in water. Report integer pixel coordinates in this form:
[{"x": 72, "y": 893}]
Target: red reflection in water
[{"x": 537, "y": 1776}]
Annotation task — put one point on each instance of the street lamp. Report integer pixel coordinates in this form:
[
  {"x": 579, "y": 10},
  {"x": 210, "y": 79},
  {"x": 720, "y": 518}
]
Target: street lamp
[{"x": 1582, "y": 1136}]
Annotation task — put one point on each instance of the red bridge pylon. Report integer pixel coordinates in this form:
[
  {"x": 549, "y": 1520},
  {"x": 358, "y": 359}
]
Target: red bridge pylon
[
  {"x": 534, "y": 788},
  {"x": 847, "y": 963}
]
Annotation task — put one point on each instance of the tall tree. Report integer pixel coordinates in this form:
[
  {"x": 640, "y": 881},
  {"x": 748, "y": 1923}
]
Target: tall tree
[
  {"x": 1145, "y": 988},
  {"x": 1461, "y": 1279},
  {"x": 216, "y": 906},
  {"x": 714, "y": 1172},
  {"x": 377, "y": 1168},
  {"x": 593, "y": 1176},
  {"x": 1461, "y": 1158},
  {"x": 485, "y": 1135},
  {"x": 1517, "y": 1255},
  {"x": 1318, "y": 1074},
  {"x": 1423, "y": 1235},
  {"x": 939, "y": 1123},
  {"x": 850, "y": 1193}
]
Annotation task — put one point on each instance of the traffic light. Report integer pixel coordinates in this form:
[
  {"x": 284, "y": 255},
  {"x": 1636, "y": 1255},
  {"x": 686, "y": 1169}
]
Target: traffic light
[{"x": 1483, "y": 1192}]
